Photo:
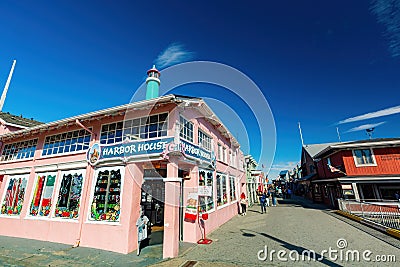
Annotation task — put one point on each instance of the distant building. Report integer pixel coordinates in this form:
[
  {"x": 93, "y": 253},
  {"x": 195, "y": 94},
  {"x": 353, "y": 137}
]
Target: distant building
[
  {"x": 252, "y": 178},
  {"x": 366, "y": 170}
]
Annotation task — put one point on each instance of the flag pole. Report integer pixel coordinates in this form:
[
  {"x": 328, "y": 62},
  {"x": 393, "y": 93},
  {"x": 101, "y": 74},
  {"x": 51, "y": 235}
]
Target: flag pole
[
  {"x": 301, "y": 135},
  {"x": 5, "y": 90}
]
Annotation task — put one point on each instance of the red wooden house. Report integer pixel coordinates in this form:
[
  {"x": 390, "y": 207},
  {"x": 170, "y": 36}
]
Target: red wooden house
[{"x": 366, "y": 170}]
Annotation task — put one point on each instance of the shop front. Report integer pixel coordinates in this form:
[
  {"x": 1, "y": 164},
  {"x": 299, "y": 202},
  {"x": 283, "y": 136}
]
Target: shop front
[{"x": 63, "y": 183}]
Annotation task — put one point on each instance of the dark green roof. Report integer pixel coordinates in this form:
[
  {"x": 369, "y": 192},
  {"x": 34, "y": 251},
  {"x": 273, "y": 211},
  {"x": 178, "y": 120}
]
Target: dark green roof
[{"x": 18, "y": 120}]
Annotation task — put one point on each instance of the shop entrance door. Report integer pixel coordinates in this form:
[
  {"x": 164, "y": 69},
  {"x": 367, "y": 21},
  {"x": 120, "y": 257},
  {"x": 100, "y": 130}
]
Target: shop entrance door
[{"x": 152, "y": 201}]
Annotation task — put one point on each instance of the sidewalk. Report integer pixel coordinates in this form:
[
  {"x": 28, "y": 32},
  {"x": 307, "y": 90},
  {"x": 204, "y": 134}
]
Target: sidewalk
[{"x": 26, "y": 252}]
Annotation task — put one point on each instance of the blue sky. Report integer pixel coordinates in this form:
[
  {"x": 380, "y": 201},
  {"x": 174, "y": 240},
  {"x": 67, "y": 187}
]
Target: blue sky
[{"x": 324, "y": 64}]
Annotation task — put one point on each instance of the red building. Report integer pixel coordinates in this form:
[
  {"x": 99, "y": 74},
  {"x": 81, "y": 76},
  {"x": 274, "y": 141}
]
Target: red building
[{"x": 366, "y": 170}]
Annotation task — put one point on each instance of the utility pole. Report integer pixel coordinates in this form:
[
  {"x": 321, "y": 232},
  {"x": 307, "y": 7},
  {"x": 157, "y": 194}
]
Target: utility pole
[
  {"x": 338, "y": 134},
  {"x": 3, "y": 96}
]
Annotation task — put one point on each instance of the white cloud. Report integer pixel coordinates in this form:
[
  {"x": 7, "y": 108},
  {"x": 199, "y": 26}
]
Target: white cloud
[
  {"x": 371, "y": 115},
  {"x": 284, "y": 166},
  {"x": 387, "y": 13},
  {"x": 365, "y": 126},
  {"x": 175, "y": 53}
]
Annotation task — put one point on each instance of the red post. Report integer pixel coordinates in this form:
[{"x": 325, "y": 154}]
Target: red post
[{"x": 204, "y": 240}]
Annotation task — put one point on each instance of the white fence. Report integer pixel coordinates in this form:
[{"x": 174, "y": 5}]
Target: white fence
[{"x": 386, "y": 214}]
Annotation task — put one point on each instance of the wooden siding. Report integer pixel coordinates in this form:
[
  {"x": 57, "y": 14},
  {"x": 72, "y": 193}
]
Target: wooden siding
[
  {"x": 336, "y": 161},
  {"x": 387, "y": 161}
]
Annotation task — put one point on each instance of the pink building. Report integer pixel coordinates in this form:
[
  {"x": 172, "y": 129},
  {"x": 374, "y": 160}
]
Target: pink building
[{"x": 83, "y": 180}]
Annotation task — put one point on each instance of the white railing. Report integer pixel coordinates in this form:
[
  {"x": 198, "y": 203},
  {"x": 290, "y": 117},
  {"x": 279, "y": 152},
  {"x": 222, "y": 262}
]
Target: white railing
[{"x": 383, "y": 213}]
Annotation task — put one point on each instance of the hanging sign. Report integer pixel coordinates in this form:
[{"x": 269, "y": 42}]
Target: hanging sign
[{"x": 204, "y": 190}]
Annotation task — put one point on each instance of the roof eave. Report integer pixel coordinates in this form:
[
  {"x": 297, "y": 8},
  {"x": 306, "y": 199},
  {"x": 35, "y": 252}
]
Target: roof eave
[{"x": 86, "y": 116}]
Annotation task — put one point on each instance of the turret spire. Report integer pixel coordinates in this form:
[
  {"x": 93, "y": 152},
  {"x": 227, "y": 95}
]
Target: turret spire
[{"x": 153, "y": 83}]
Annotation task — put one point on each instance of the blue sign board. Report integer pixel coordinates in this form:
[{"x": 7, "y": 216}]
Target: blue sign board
[{"x": 163, "y": 145}]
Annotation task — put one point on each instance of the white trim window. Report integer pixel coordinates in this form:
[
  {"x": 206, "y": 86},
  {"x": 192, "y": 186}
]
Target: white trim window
[
  {"x": 232, "y": 189},
  {"x": 67, "y": 142},
  {"x": 186, "y": 129},
  {"x": 222, "y": 197},
  {"x": 224, "y": 154},
  {"x": 106, "y": 196},
  {"x": 14, "y": 194},
  {"x": 206, "y": 203},
  {"x": 151, "y": 126},
  {"x": 204, "y": 140},
  {"x": 69, "y": 195},
  {"x": 19, "y": 150},
  {"x": 219, "y": 152},
  {"x": 364, "y": 157},
  {"x": 42, "y": 195}
]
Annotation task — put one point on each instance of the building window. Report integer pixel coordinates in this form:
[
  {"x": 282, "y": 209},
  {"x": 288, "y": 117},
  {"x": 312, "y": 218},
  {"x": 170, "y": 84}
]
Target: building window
[
  {"x": 106, "y": 202},
  {"x": 219, "y": 152},
  {"x": 232, "y": 190},
  {"x": 14, "y": 195},
  {"x": 69, "y": 195},
  {"x": 19, "y": 150},
  {"x": 221, "y": 189},
  {"x": 206, "y": 203},
  {"x": 224, "y": 154},
  {"x": 42, "y": 195},
  {"x": 312, "y": 168},
  {"x": 363, "y": 157},
  {"x": 186, "y": 131},
  {"x": 140, "y": 128},
  {"x": 66, "y": 142},
  {"x": 204, "y": 140}
]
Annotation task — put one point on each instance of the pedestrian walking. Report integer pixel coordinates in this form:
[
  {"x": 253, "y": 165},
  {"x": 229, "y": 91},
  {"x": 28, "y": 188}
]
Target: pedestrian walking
[
  {"x": 267, "y": 199},
  {"x": 243, "y": 203},
  {"x": 263, "y": 199},
  {"x": 273, "y": 195}
]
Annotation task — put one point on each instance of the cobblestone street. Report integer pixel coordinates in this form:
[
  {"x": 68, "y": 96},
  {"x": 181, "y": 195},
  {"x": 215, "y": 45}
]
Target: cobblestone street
[{"x": 292, "y": 225}]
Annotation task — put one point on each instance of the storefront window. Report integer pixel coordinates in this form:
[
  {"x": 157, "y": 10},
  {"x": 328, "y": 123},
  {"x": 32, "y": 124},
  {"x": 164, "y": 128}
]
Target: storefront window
[
  {"x": 69, "y": 195},
  {"x": 221, "y": 189},
  {"x": 14, "y": 195},
  {"x": 232, "y": 188},
  {"x": 41, "y": 201},
  {"x": 206, "y": 203},
  {"x": 106, "y": 202}
]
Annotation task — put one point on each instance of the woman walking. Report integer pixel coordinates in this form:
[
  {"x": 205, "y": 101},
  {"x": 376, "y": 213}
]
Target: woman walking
[{"x": 243, "y": 203}]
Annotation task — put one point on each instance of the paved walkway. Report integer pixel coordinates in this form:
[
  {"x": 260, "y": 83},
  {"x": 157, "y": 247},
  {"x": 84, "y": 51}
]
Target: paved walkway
[{"x": 294, "y": 226}]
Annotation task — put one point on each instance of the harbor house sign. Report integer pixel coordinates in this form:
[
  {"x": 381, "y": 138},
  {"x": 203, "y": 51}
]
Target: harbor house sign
[{"x": 138, "y": 148}]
